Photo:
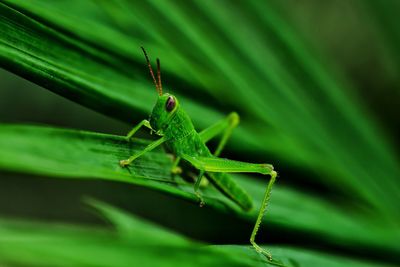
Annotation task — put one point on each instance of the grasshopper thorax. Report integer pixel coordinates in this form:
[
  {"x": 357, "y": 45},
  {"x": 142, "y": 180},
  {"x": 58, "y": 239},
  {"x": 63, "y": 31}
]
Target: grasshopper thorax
[{"x": 163, "y": 111}]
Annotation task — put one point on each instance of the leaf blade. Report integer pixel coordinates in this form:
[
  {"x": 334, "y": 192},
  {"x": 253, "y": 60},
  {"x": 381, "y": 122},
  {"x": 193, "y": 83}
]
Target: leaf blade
[{"x": 72, "y": 154}]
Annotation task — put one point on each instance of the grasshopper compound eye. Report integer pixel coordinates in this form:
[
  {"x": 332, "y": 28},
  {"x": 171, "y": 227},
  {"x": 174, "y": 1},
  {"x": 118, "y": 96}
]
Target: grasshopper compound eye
[{"x": 170, "y": 105}]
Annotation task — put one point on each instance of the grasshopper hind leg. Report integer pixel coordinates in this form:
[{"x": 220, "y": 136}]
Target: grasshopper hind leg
[
  {"x": 218, "y": 165},
  {"x": 261, "y": 214}
]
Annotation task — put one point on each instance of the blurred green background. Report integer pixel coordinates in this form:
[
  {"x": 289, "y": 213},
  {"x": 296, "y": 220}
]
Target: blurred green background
[{"x": 316, "y": 84}]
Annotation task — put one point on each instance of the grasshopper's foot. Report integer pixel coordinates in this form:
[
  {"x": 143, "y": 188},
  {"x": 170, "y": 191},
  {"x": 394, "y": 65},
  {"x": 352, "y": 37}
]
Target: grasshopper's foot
[
  {"x": 176, "y": 170},
  {"x": 267, "y": 254},
  {"x": 262, "y": 251},
  {"x": 124, "y": 163},
  {"x": 201, "y": 200}
]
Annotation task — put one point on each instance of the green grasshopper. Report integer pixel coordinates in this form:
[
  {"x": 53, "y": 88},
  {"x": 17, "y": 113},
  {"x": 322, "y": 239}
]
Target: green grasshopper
[{"x": 175, "y": 128}]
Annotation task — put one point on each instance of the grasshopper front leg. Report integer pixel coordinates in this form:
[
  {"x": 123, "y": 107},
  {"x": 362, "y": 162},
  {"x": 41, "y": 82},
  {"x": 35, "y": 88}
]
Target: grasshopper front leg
[
  {"x": 148, "y": 148},
  {"x": 218, "y": 165},
  {"x": 145, "y": 123}
]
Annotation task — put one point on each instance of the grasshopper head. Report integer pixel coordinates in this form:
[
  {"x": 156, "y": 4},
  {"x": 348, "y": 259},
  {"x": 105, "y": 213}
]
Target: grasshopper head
[
  {"x": 163, "y": 111},
  {"x": 166, "y": 105}
]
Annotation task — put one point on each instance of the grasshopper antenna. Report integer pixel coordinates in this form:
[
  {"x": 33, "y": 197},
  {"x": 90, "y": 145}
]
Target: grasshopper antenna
[
  {"x": 151, "y": 72},
  {"x": 159, "y": 76}
]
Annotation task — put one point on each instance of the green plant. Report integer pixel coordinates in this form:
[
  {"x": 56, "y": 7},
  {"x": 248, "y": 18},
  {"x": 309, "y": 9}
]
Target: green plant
[{"x": 302, "y": 113}]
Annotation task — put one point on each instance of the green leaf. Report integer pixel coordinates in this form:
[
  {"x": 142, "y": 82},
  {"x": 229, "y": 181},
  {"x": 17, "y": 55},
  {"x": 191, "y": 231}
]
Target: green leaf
[
  {"x": 60, "y": 51},
  {"x": 85, "y": 155},
  {"x": 297, "y": 109},
  {"x": 383, "y": 15},
  {"x": 36, "y": 244},
  {"x": 130, "y": 227},
  {"x": 78, "y": 154},
  {"x": 43, "y": 244}
]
